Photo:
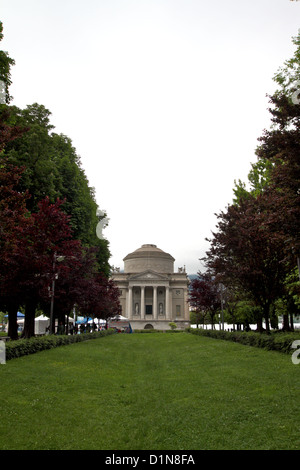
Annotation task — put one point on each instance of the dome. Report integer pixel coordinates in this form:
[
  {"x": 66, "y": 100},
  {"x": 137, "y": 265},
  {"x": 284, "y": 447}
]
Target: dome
[{"x": 148, "y": 257}]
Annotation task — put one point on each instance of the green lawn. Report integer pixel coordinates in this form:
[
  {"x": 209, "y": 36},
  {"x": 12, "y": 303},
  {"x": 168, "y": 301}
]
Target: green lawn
[{"x": 150, "y": 392}]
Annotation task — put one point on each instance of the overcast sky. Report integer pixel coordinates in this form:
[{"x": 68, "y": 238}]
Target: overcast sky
[{"x": 163, "y": 99}]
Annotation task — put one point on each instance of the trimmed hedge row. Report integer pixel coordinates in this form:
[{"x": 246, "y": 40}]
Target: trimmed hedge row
[
  {"x": 153, "y": 330},
  {"x": 276, "y": 341},
  {"x": 23, "y": 347}
]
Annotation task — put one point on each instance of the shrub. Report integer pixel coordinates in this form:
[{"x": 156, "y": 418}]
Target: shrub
[
  {"x": 275, "y": 341},
  {"x": 23, "y": 347},
  {"x": 148, "y": 330}
]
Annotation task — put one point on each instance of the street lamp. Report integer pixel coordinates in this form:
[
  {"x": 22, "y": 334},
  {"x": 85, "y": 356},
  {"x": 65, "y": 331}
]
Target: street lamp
[{"x": 55, "y": 276}]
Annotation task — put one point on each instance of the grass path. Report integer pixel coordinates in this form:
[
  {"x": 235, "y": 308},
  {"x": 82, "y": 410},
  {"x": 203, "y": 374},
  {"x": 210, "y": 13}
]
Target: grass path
[{"x": 150, "y": 392}]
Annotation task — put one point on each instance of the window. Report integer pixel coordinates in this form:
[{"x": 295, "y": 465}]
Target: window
[{"x": 148, "y": 309}]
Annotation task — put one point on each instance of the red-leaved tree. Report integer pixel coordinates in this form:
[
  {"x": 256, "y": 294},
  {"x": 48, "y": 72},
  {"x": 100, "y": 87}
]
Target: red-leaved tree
[
  {"x": 204, "y": 296},
  {"x": 247, "y": 251},
  {"x": 46, "y": 236},
  {"x": 14, "y": 220}
]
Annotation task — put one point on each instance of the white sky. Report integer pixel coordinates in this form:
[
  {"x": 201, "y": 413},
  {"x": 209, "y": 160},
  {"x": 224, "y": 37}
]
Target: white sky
[{"x": 163, "y": 99}]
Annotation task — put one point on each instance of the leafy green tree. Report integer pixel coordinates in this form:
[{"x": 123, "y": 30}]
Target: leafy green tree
[
  {"x": 288, "y": 76},
  {"x": 197, "y": 317},
  {"x": 53, "y": 169},
  {"x": 38, "y": 169},
  {"x": 33, "y": 151},
  {"x": 72, "y": 185},
  {"x": 277, "y": 173},
  {"x": 281, "y": 146},
  {"x": 5, "y": 73},
  {"x": 258, "y": 180}
]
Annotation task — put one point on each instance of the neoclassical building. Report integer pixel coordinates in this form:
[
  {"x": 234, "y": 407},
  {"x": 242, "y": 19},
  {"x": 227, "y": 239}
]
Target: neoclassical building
[{"x": 152, "y": 294}]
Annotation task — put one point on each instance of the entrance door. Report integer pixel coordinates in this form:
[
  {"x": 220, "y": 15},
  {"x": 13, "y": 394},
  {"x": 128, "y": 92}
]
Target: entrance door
[{"x": 148, "y": 309}]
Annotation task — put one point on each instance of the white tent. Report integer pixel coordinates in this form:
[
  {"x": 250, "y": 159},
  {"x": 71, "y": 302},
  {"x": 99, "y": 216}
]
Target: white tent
[
  {"x": 118, "y": 317},
  {"x": 98, "y": 321},
  {"x": 40, "y": 324},
  {"x": 69, "y": 319}
]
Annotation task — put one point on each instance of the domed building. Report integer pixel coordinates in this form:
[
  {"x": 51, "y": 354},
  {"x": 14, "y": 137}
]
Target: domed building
[{"x": 152, "y": 294}]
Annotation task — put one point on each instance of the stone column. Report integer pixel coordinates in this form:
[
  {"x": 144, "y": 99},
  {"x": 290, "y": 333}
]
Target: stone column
[
  {"x": 142, "y": 303},
  {"x": 171, "y": 305},
  {"x": 155, "y": 302},
  {"x": 167, "y": 303},
  {"x": 186, "y": 312},
  {"x": 129, "y": 305}
]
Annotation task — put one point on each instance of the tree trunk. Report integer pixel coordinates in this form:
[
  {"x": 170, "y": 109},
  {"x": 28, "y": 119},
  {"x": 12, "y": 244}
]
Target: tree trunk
[
  {"x": 12, "y": 322},
  {"x": 29, "y": 319},
  {"x": 292, "y": 321},
  {"x": 266, "y": 317},
  {"x": 285, "y": 322},
  {"x": 259, "y": 325}
]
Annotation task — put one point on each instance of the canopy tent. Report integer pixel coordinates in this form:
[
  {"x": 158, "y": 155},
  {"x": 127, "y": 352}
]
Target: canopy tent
[
  {"x": 98, "y": 321},
  {"x": 69, "y": 319},
  {"x": 19, "y": 315},
  {"x": 41, "y": 324},
  {"x": 84, "y": 320},
  {"x": 42, "y": 317},
  {"x": 120, "y": 323},
  {"x": 118, "y": 318}
]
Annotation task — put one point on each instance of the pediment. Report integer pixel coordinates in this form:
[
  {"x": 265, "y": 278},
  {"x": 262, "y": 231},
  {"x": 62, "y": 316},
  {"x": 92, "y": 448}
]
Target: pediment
[{"x": 148, "y": 276}]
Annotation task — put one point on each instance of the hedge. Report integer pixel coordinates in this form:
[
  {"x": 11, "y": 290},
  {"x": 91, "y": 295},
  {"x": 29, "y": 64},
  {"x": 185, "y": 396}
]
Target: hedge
[
  {"x": 23, "y": 347},
  {"x": 276, "y": 341},
  {"x": 153, "y": 330}
]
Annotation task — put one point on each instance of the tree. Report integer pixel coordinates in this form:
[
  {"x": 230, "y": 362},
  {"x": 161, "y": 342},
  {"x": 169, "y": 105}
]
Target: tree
[
  {"x": 48, "y": 233},
  {"x": 101, "y": 299},
  {"x": 204, "y": 296},
  {"x": 33, "y": 152},
  {"x": 14, "y": 221},
  {"x": 74, "y": 277},
  {"x": 258, "y": 180},
  {"x": 37, "y": 169},
  {"x": 197, "y": 317},
  {"x": 8, "y": 130},
  {"x": 277, "y": 171},
  {"x": 288, "y": 76},
  {"x": 281, "y": 146},
  {"x": 53, "y": 169},
  {"x": 5, "y": 76},
  {"x": 246, "y": 252},
  {"x": 232, "y": 299},
  {"x": 45, "y": 252},
  {"x": 13, "y": 216},
  {"x": 257, "y": 244}
]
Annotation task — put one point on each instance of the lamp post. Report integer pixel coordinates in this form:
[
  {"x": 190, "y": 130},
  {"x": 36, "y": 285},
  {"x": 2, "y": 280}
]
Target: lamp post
[{"x": 55, "y": 276}]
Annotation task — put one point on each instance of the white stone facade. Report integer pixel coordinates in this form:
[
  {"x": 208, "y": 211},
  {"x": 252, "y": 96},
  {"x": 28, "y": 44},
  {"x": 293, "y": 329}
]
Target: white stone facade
[{"x": 152, "y": 295}]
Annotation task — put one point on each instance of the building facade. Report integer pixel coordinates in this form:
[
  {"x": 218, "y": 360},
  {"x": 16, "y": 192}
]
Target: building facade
[{"x": 152, "y": 294}]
